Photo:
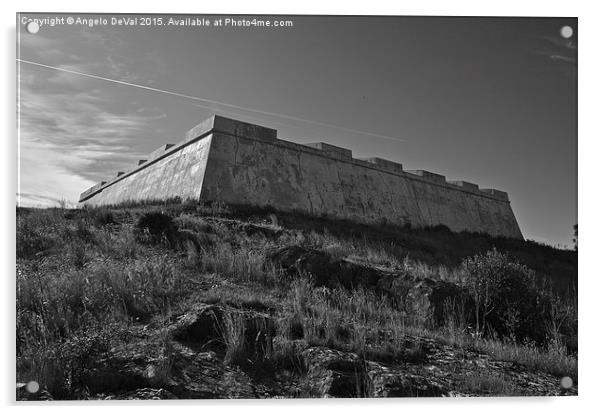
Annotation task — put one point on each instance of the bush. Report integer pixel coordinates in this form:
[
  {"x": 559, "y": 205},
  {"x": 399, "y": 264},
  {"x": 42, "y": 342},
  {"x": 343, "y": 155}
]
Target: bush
[
  {"x": 508, "y": 301},
  {"x": 156, "y": 228}
]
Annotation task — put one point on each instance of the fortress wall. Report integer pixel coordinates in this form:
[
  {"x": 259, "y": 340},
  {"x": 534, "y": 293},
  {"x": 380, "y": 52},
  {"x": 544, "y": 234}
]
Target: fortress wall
[
  {"x": 172, "y": 170},
  {"x": 236, "y": 162},
  {"x": 294, "y": 177},
  {"x": 175, "y": 171}
]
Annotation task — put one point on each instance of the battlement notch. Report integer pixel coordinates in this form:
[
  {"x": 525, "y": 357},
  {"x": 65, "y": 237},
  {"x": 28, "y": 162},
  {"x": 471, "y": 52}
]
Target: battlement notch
[
  {"x": 427, "y": 175},
  {"x": 465, "y": 184},
  {"x": 501, "y": 195},
  {"x": 159, "y": 151},
  {"x": 385, "y": 164},
  {"x": 331, "y": 150}
]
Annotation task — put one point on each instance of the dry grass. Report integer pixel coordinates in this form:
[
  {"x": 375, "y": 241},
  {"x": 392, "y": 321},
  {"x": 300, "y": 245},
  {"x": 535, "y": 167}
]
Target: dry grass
[
  {"x": 81, "y": 272},
  {"x": 358, "y": 321},
  {"x": 491, "y": 383},
  {"x": 553, "y": 360}
]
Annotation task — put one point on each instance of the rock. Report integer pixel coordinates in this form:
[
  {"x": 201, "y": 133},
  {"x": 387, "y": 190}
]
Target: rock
[
  {"x": 200, "y": 328},
  {"x": 426, "y": 300},
  {"x": 332, "y": 373},
  {"x": 204, "y": 376},
  {"x": 196, "y": 357},
  {"x": 286, "y": 257},
  {"x": 155, "y": 362},
  {"x": 395, "y": 382},
  {"x": 323, "y": 269},
  {"x": 217, "y": 327},
  {"x": 123, "y": 368}
]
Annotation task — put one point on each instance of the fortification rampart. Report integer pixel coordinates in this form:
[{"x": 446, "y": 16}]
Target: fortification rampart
[{"x": 236, "y": 162}]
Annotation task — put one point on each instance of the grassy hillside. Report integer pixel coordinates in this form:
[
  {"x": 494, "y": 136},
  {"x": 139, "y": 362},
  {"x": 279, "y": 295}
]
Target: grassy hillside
[{"x": 184, "y": 301}]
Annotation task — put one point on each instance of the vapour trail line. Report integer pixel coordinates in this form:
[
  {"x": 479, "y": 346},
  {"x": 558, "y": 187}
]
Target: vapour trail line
[{"x": 209, "y": 101}]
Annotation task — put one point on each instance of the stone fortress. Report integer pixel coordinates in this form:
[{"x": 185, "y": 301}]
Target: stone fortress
[{"x": 236, "y": 162}]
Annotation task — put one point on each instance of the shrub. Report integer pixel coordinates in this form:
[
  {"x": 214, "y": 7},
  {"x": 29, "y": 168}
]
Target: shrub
[
  {"x": 508, "y": 301},
  {"x": 156, "y": 228}
]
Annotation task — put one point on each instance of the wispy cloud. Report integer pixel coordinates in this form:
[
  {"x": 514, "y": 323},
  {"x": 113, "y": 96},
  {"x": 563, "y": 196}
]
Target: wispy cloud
[
  {"x": 562, "y": 52},
  {"x": 72, "y": 132},
  {"x": 38, "y": 200}
]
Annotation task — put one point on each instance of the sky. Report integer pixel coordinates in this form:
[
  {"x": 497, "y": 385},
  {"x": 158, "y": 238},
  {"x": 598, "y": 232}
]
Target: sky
[{"x": 491, "y": 101}]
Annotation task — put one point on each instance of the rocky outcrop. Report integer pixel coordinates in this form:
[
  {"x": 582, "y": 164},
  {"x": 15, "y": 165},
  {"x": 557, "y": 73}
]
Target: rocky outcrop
[
  {"x": 323, "y": 269},
  {"x": 191, "y": 358},
  {"x": 446, "y": 372},
  {"x": 217, "y": 328},
  {"x": 333, "y": 373},
  {"x": 187, "y": 359},
  {"x": 427, "y": 300},
  {"x": 424, "y": 299}
]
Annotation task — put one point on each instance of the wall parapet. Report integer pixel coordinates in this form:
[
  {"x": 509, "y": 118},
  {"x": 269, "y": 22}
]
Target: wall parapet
[{"x": 92, "y": 189}]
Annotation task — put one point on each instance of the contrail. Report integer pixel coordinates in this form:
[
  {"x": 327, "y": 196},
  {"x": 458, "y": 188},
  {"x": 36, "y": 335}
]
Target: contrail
[{"x": 209, "y": 101}]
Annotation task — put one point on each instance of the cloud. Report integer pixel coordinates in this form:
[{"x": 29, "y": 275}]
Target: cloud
[
  {"x": 41, "y": 201},
  {"x": 66, "y": 144},
  {"x": 72, "y": 131},
  {"x": 561, "y": 52}
]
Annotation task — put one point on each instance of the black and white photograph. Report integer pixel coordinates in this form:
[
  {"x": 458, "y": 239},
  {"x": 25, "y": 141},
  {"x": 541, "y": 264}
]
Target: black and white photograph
[{"x": 271, "y": 206}]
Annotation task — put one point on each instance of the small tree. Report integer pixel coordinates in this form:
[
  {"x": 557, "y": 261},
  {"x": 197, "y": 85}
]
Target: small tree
[
  {"x": 483, "y": 280},
  {"x": 508, "y": 301}
]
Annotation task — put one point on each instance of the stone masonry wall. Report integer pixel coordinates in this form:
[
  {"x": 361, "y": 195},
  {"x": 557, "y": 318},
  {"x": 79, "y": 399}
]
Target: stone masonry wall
[
  {"x": 235, "y": 162},
  {"x": 177, "y": 171}
]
